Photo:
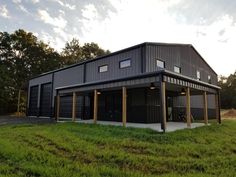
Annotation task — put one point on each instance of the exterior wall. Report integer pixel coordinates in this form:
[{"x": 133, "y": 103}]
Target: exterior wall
[
  {"x": 39, "y": 81},
  {"x": 114, "y": 70},
  {"x": 198, "y": 64},
  {"x": 182, "y": 56},
  {"x": 179, "y": 104},
  {"x": 196, "y": 101},
  {"x": 66, "y": 77}
]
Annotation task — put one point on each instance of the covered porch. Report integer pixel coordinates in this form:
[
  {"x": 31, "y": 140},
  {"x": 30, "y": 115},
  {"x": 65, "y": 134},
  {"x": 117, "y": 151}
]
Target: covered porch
[{"x": 158, "y": 107}]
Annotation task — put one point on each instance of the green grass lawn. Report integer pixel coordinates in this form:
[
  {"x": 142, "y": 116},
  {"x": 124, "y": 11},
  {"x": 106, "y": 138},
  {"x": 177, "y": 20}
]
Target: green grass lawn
[{"x": 72, "y": 149}]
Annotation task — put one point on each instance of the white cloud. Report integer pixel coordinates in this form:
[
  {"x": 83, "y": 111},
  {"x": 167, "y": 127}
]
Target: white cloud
[
  {"x": 4, "y": 12},
  {"x": 67, "y": 5},
  {"x": 35, "y": 1},
  {"x": 17, "y": 1},
  {"x": 89, "y": 12},
  {"x": 59, "y": 21},
  {"x": 21, "y": 7},
  {"x": 139, "y": 21}
]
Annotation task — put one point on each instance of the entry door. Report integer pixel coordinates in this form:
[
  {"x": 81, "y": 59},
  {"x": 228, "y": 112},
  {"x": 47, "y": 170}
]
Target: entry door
[{"x": 113, "y": 106}]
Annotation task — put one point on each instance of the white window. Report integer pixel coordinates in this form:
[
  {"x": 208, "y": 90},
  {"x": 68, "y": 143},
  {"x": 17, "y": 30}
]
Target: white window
[
  {"x": 177, "y": 69},
  {"x": 160, "y": 64},
  {"x": 103, "y": 68},
  {"x": 198, "y": 75},
  {"x": 209, "y": 79},
  {"x": 125, "y": 63}
]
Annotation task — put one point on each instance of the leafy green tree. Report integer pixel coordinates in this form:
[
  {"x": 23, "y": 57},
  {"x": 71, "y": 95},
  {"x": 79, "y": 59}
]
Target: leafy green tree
[
  {"x": 74, "y": 52},
  {"x": 228, "y": 92},
  {"x": 22, "y": 57},
  {"x": 92, "y": 50}
]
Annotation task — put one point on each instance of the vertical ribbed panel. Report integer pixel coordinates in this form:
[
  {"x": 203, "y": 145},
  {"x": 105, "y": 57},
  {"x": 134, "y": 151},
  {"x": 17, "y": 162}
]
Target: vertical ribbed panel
[
  {"x": 182, "y": 56},
  {"x": 114, "y": 70}
]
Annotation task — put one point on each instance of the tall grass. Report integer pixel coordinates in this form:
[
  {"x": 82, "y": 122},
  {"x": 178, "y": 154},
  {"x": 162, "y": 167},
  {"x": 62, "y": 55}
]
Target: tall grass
[{"x": 72, "y": 149}]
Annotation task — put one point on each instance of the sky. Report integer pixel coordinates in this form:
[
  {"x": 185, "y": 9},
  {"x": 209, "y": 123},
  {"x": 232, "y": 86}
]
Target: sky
[{"x": 209, "y": 25}]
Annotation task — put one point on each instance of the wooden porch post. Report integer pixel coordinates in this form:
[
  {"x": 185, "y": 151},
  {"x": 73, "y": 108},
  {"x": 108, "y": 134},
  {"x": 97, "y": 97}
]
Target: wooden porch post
[
  {"x": 163, "y": 105},
  {"x": 124, "y": 106},
  {"x": 188, "y": 107},
  {"x": 58, "y": 107},
  {"x": 205, "y": 108},
  {"x": 217, "y": 108},
  {"x": 74, "y": 106},
  {"x": 95, "y": 107}
]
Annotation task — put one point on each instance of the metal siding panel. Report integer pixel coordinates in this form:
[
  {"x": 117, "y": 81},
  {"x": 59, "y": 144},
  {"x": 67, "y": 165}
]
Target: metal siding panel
[
  {"x": 65, "y": 107},
  {"x": 202, "y": 67},
  {"x": 70, "y": 76},
  {"x": 211, "y": 101},
  {"x": 182, "y": 56},
  {"x": 114, "y": 71},
  {"x": 40, "y": 80}
]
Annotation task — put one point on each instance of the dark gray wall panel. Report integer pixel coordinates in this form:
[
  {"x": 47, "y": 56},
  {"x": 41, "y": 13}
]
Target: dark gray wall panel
[
  {"x": 182, "y": 56},
  {"x": 66, "y": 107},
  {"x": 196, "y": 101},
  {"x": 199, "y": 64},
  {"x": 114, "y": 71},
  {"x": 41, "y": 80},
  {"x": 70, "y": 76}
]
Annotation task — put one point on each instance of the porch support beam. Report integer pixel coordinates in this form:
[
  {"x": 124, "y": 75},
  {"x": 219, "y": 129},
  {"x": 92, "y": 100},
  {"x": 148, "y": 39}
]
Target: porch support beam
[
  {"x": 217, "y": 102},
  {"x": 205, "y": 108},
  {"x": 124, "y": 106},
  {"x": 58, "y": 107},
  {"x": 74, "y": 106},
  {"x": 95, "y": 107},
  {"x": 163, "y": 105},
  {"x": 188, "y": 108}
]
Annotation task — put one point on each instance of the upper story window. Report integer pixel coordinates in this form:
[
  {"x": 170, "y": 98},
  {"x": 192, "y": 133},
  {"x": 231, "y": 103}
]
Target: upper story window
[
  {"x": 209, "y": 79},
  {"x": 125, "y": 63},
  {"x": 160, "y": 63},
  {"x": 103, "y": 68},
  {"x": 198, "y": 75},
  {"x": 177, "y": 69}
]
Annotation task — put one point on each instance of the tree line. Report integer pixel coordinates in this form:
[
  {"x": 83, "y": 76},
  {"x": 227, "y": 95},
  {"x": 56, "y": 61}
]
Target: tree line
[
  {"x": 23, "y": 56},
  {"x": 228, "y": 91}
]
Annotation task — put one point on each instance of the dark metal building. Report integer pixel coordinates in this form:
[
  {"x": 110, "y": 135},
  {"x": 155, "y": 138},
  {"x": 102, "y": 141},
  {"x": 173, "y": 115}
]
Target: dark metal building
[{"x": 146, "y": 83}]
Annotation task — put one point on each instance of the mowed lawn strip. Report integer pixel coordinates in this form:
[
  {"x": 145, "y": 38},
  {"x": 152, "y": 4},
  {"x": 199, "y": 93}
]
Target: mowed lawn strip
[{"x": 72, "y": 149}]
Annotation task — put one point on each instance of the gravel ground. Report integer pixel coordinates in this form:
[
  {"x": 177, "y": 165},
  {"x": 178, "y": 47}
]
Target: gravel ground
[{"x": 24, "y": 120}]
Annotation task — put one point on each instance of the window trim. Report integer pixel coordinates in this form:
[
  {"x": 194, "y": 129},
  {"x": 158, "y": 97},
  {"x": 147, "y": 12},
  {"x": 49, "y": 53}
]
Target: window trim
[
  {"x": 180, "y": 70},
  {"x": 164, "y": 63},
  {"x": 128, "y": 59},
  {"x": 199, "y": 75},
  {"x": 102, "y": 66},
  {"x": 209, "y": 79}
]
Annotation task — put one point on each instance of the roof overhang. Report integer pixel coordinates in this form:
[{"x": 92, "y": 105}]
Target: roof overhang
[{"x": 161, "y": 75}]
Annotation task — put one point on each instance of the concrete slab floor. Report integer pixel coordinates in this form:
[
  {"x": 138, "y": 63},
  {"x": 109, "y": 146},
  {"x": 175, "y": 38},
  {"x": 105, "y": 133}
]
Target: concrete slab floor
[{"x": 171, "y": 126}]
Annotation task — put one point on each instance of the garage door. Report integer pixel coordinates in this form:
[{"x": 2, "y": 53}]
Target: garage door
[
  {"x": 33, "y": 101},
  {"x": 45, "y": 100},
  {"x": 65, "y": 107}
]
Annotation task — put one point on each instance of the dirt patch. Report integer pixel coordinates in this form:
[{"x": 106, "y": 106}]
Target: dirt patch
[{"x": 230, "y": 114}]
